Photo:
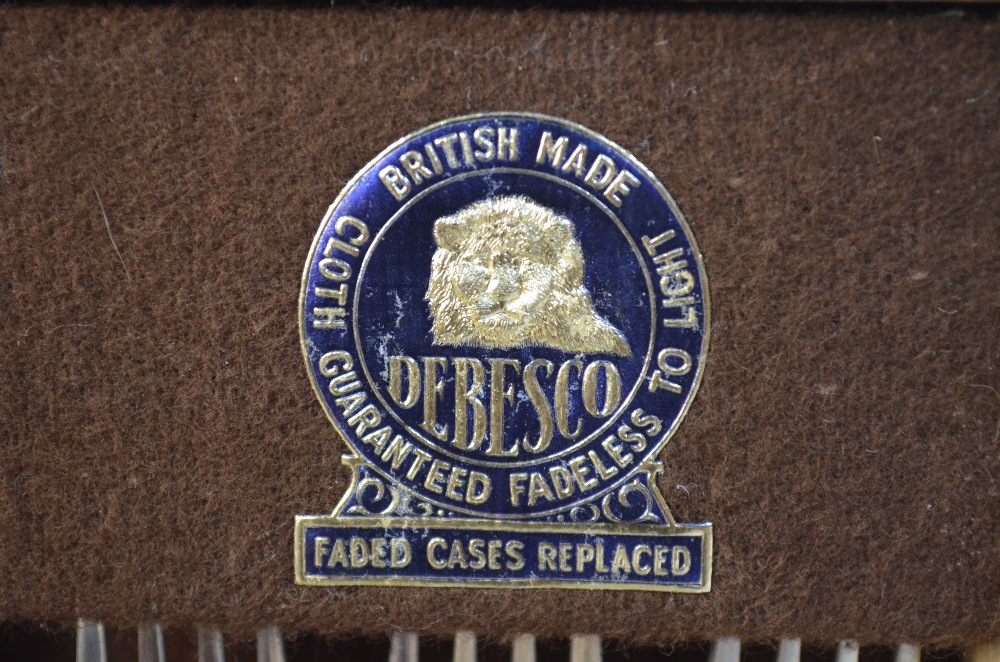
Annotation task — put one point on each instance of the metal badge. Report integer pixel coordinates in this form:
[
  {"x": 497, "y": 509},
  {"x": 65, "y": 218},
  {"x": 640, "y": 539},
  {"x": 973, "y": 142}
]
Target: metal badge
[{"x": 505, "y": 316}]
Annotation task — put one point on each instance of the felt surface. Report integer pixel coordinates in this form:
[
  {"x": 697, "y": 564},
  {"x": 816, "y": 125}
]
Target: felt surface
[{"x": 839, "y": 170}]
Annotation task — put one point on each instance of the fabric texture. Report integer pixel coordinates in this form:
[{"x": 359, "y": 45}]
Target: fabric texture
[{"x": 163, "y": 171}]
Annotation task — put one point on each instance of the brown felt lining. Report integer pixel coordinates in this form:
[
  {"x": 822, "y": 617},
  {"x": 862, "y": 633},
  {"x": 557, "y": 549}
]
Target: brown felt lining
[{"x": 840, "y": 171}]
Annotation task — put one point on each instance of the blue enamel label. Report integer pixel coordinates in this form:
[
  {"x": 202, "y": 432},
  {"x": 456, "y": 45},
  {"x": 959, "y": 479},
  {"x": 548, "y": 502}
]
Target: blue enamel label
[{"x": 505, "y": 317}]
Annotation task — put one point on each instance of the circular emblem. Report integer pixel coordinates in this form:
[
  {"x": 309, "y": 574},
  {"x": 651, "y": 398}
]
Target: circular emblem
[{"x": 505, "y": 315}]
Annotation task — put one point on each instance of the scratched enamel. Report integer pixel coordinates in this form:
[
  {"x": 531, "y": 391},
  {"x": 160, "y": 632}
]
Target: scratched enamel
[{"x": 505, "y": 316}]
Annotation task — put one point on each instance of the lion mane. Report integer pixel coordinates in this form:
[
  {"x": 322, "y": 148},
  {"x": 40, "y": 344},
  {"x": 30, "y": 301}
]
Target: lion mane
[{"x": 508, "y": 272}]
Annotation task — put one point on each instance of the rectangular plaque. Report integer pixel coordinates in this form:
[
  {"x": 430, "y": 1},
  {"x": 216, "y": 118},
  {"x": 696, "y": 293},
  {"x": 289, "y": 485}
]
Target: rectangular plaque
[{"x": 400, "y": 551}]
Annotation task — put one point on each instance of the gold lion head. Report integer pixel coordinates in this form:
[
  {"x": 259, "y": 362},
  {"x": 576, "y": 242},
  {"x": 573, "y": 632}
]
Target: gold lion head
[{"x": 508, "y": 272}]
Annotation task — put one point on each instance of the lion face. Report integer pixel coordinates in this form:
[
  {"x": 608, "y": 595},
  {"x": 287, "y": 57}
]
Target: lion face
[
  {"x": 508, "y": 272},
  {"x": 503, "y": 291}
]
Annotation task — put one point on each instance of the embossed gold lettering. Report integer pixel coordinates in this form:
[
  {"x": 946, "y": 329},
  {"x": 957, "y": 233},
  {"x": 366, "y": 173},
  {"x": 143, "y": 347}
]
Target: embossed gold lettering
[
  {"x": 562, "y": 399},
  {"x": 326, "y": 367},
  {"x": 399, "y": 553},
  {"x": 565, "y": 554},
  {"x": 321, "y": 547},
  {"x": 580, "y": 470},
  {"x": 334, "y": 268},
  {"x": 366, "y": 419},
  {"x": 667, "y": 362},
  {"x": 584, "y": 555},
  {"x": 507, "y": 143},
  {"x": 653, "y": 245},
  {"x": 517, "y": 488},
  {"x": 538, "y": 488},
  {"x": 413, "y": 162},
  {"x": 540, "y": 403},
  {"x": 661, "y": 559},
  {"x": 479, "y": 487},
  {"x": 620, "y": 562},
  {"x": 601, "y": 172},
  {"x": 468, "y": 394},
  {"x": 447, "y": 143},
  {"x": 577, "y": 161},
  {"x": 432, "y": 389},
  {"x": 546, "y": 556},
  {"x": 338, "y": 555},
  {"x": 359, "y": 553},
  {"x": 477, "y": 548},
  {"x": 396, "y": 452},
  {"x": 495, "y": 549},
  {"x": 612, "y": 388},
  {"x": 638, "y": 567},
  {"x": 456, "y": 480},
  {"x": 617, "y": 452},
  {"x": 604, "y": 472},
  {"x": 339, "y": 295},
  {"x": 396, "y": 365},
  {"x": 361, "y": 233},
  {"x": 419, "y": 457},
  {"x": 551, "y": 150},
  {"x": 395, "y": 181},
  {"x": 329, "y": 318},
  {"x": 648, "y": 422},
  {"x": 623, "y": 184},
  {"x": 435, "y": 475},
  {"x": 378, "y": 553},
  {"x": 562, "y": 481},
  {"x": 483, "y": 137},
  {"x": 432, "y": 559},
  {"x": 515, "y": 557},
  {"x": 680, "y": 561},
  {"x": 457, "y": 557},
  {"x": 498, "y": 395},
  {"x": 344, "y": 383}
]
